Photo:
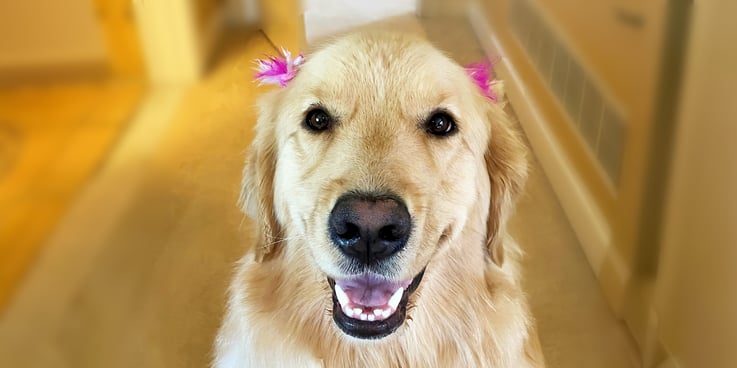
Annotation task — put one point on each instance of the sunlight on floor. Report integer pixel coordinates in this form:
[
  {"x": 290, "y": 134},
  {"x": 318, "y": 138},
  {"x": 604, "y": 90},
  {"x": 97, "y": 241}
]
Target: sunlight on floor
[
  {"x": 53, "y": 137},
  {"x": 138, "y": 266}
]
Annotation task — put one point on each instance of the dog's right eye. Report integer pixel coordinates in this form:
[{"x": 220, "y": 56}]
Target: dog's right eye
[
  {"x": 440, "y": 124},
  {"x": 318, "y": 120}
]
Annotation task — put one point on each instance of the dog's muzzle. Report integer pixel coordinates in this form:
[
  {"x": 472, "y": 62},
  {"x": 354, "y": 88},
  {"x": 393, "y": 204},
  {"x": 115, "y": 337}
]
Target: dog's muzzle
[{"x": 369, "y": 229}]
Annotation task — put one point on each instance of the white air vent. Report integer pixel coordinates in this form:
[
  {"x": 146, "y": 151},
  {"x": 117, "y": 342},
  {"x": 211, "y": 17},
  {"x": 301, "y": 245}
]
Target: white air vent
[{"x": 596, "y": 118}]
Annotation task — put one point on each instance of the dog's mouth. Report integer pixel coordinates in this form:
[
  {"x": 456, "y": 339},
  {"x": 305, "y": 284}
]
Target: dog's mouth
[{"x": 370, "y": 306}]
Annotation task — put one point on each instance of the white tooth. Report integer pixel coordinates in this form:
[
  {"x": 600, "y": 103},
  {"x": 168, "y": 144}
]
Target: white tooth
[
  {"x": 371, "y": 317},
  {"x": 394, "y": 300},
  {"x": 357, "y": 311},
  {"x": 341, "y": 295},
  {"x": 386, "y": 313},
  {"x": 348, "y": 312},
  {"x": 364, "y": 317},
  {"x": 378, "y": 311}
]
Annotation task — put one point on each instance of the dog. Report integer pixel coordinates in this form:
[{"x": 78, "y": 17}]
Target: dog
[{"x": 380, "y": 181}]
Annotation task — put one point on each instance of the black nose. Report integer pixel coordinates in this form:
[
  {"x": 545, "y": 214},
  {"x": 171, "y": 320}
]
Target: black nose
[{"x": 369, "y": 227}]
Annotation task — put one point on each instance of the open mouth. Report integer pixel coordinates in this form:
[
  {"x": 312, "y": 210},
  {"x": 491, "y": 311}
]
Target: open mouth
[{"x": 370, "y": 306}]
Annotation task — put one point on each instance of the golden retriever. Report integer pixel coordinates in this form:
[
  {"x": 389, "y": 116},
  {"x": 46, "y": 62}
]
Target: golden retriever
[{"x": 380, "y": 181}]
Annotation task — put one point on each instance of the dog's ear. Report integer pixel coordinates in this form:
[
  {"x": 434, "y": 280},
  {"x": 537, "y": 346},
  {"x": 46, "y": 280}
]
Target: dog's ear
[
  {"x": 506, "y": 163},
  {"x": 257, "y": 189}
]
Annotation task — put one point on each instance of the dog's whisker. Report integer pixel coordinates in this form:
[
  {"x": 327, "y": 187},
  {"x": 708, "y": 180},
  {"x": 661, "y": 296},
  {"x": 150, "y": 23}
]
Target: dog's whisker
[
  {"x": 282, "y": 240},
  {"x": 279, "y": 240},
  {"x": 243, "y": 221}
]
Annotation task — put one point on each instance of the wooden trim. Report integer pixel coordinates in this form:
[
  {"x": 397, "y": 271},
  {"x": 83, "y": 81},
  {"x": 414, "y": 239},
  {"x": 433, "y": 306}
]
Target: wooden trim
[
  {"x": 119, "y": 29},
  {"x": 177, "y": 46}
]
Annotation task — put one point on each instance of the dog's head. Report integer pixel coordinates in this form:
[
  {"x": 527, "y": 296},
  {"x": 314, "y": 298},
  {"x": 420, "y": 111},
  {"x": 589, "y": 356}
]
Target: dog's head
[{"x": 374, "y": 158}]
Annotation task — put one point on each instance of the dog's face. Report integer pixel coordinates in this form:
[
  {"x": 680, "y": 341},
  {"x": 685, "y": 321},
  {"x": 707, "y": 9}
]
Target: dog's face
[{"x": 373, "y": 158}]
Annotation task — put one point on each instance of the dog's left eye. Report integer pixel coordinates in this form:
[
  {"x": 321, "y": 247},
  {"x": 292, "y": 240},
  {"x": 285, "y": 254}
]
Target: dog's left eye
[
  {"x": 318, "y": 120},
  {"x": 440, "y": 124}
]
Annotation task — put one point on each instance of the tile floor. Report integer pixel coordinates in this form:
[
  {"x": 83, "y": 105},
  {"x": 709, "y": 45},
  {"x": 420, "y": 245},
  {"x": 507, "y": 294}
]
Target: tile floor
[{"x": 135, "y": 274}]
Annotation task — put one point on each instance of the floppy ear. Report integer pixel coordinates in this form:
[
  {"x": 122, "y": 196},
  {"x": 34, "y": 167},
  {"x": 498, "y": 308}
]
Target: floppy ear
[
  {"x": 506, "y": 164},
  {"x": 257, "y": 187}
]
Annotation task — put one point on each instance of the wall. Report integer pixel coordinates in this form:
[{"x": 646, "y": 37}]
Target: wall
[
  {"x": 178, "y": 37},
  {"x": 242, "y": 12},
  {"x": 696, "y": 291},
  {"x": 48, "y": 33},
  {"x": 583, "y": 78},
  {"x": 323, "y": 18},
  {"x": 327, "y": 17}
]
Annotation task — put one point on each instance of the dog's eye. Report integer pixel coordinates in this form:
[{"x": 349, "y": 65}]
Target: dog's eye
[
  {"x": 440, "y": 124},
  {"x": 318, "y": 120}
]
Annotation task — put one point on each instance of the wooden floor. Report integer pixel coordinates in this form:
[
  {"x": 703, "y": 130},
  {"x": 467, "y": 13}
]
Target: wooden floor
[{"x": 52, "y": 138}]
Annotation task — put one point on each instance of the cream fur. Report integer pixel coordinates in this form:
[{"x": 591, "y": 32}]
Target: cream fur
[{"x": 469, "y": 310}]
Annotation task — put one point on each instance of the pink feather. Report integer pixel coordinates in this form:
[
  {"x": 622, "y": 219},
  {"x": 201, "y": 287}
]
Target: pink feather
[
  {"x": 278, "y": 70},
  {"x": 482, "y": 73},
  {"x": 281, "y": 70}
]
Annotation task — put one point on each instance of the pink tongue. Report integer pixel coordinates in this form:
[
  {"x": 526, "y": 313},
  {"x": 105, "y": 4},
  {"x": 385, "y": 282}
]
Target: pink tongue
[{"x": 369, "y": 290}]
